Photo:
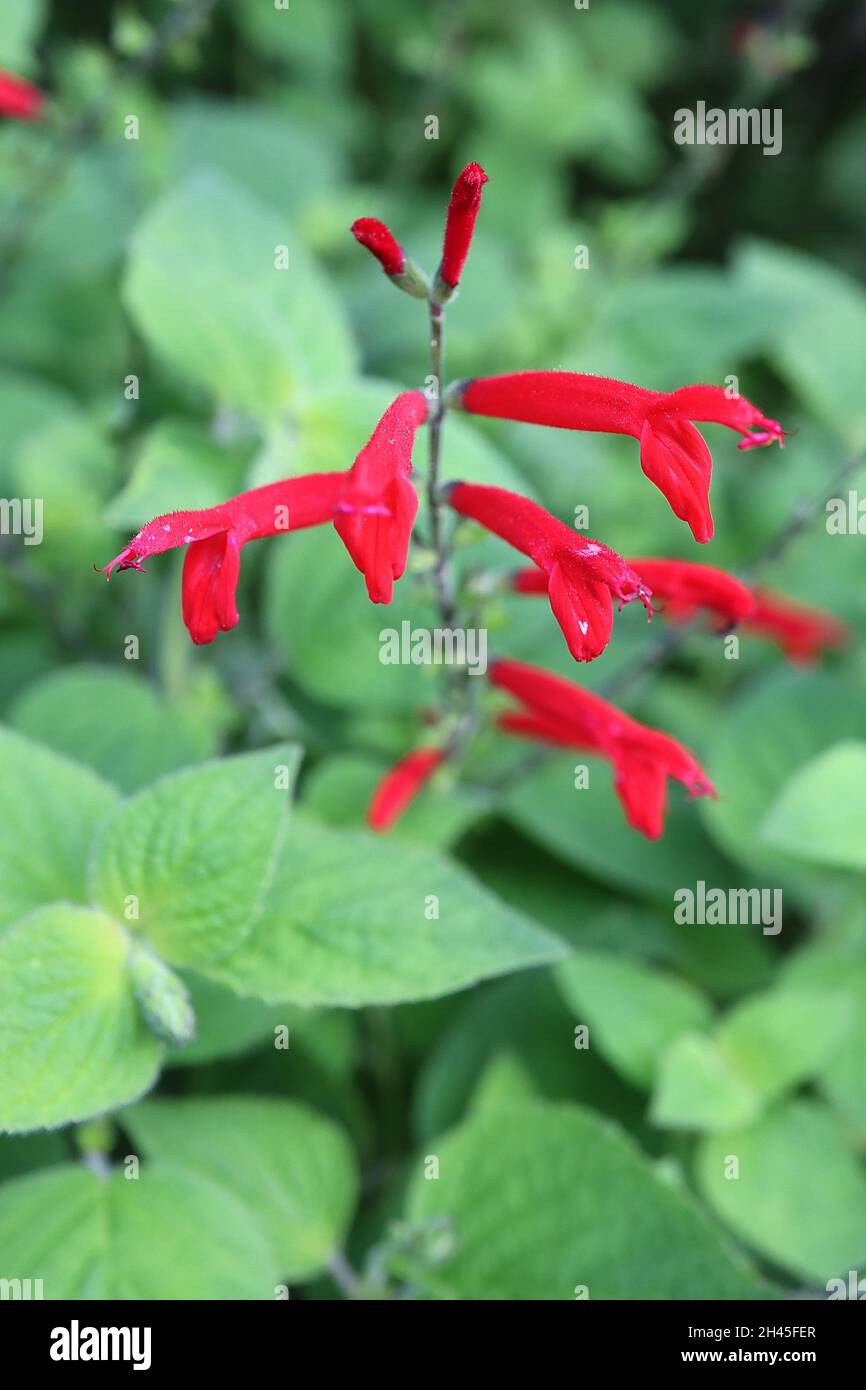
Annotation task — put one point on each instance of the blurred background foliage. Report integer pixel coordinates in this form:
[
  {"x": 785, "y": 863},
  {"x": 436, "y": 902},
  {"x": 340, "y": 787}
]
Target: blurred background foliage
[{"x": 153, "y": 257}]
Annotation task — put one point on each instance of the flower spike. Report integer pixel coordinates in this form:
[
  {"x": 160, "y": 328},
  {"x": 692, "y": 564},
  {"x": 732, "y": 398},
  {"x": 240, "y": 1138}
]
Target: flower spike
[{"x": 583, "y": 577}]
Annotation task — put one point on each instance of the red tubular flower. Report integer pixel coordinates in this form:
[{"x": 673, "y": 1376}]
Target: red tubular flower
[
  {"x": 376, "y": 510},
  {"x": 800, "y": 631},
  {"x": 563, "y": 714},
  {"x": 377, "y": 238},
  {"x": 582, "y": 576},
  {"x": 685, "y": 589},
  {"x": 19, "y": 99},
  {"x": 673, "y": 453},
  {"x": 400, "y": 785},
  {"x": 460, "y": 224},
  {"x": 216, "y": 535}
]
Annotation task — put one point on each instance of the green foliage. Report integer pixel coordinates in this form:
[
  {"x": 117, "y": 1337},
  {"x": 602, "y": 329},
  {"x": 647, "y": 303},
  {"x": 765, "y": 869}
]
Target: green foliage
[
  {"x": 350, "y": 920},
  {"x": 72, "y": 1042},
  {"x": 800, "y": 1197},
  {"x": 820, "y": 812},
  {"x": 547, "y": 1198},
  {"x": 205, "y": 289},
  {"x": 187, "y": 860}
]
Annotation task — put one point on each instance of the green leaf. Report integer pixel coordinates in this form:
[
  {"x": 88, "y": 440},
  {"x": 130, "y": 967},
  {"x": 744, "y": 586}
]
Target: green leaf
[
  {"x": 547, "y": 1198},
  {"x": 113, "y": 721},
  {"x": 633, "y": 1012},
  {"x": 49, "y": 811},
  {"x": 247, "y": 142},
  {"x": 294, "y": 1169},
  {"x": 20, "y": 25},
  {"x": 778, "y": 724},
  {"x": 800, "y": 1198},
  {"x": 191, "y": 855},
  {"x": 27, "y": 403},
  {"x": 72, "y": 1040},
  {"x": 354, "y": 919},
  {"x": 842, "y": 1081},
  {"x": 819, "y": 334},
  {"x": 762, "y": 1048},
  {"x": 203, "y": 289},
  {"x": 697, "y": 1088},
  {"x": 168, "y": 1234},
  {"x": 820, "y": 812}
]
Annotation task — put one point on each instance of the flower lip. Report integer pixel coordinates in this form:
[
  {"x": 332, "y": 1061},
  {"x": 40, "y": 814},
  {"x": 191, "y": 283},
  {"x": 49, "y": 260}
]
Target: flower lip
[
  {"x": 126, "y": 560},
  {"x": 770, "y": 433}
]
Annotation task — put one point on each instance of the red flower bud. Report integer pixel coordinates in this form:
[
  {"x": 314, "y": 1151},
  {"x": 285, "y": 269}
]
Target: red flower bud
[
  {"x": 400, "y": 785},
  {"x": 460, "y": 223},
  {"x": 383, "y": 244},
  {"x": 377, "y": 507},
  {"x": 800, "y": 631},
  {"x": 673, "y": 453},
  {"x": 563, "y": 714},
  {"x": 583, "y": 576},
  {"x": 19, "y": 99}
]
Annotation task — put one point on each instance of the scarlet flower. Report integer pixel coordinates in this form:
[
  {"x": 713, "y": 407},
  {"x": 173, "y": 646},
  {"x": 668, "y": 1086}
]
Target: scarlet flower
[
  {"x": 582, "y": 576},
  {"x": 373, "y": 234},
  {"x": 376, "y": 510},
  {"x": 684, "y": 589},
  {"x": 460, "y": 224},
  {"x": 216, "y": 535},
  {"x": 563, "y": 714},
  {"x": 400, "y": 785},
  {"x": 19, "y": 99},
  {"x": 673, "y": 453},
  {"x": 800, "y": 631}
]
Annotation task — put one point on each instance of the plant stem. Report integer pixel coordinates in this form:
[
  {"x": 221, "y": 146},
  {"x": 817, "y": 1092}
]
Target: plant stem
[
  {"x": 442, "y": 569},
  {"x": 344, "y": 1276}
]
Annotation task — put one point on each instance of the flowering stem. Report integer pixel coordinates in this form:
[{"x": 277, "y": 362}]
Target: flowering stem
[{"x": 442, "y": 571}]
